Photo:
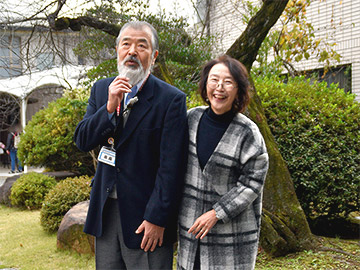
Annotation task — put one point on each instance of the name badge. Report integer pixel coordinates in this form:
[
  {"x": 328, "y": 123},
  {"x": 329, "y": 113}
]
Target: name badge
[{"x": 107, "y": 156}]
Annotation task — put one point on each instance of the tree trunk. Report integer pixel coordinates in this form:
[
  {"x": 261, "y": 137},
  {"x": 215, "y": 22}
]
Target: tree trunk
[{"x": 284, "y": 226}]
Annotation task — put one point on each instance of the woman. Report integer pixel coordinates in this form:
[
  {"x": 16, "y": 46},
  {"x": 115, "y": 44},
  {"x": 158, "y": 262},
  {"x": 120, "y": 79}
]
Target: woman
[{"x": 219, "y": 219}]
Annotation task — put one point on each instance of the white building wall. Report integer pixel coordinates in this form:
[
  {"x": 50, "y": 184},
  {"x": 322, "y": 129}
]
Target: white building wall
[
  {"x": 338, "y": 22},
  {"x": 42, "y": 43},
  {"x": 334, "y": 20},
  {"x": 42, "y": 47}
]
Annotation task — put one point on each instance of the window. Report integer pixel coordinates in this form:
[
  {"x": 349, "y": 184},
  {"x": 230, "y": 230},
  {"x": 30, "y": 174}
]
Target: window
[
  {"x": 44, "y": 60},
  {"x": 10, "y": 61},
  {"x": 340, "y": 75}
]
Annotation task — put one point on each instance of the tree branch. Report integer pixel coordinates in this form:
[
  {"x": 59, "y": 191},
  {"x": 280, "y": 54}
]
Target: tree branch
[
  {"x": 52, "y": 17},
  {"x": 75, "y": 24},
  {"x": 246, "y": 47},
  {"x": 9, "y": 106}
]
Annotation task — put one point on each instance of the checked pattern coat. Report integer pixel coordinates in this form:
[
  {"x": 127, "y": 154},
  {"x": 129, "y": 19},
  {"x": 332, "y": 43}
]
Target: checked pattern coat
[{"x": 231, "y": 183}]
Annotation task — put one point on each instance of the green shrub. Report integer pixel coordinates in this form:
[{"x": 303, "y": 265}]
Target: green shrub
[
  {"x": 194, "y": 100},
  {"x": 48, "y": 138},
  {"x": 30, "y": 189},
  {"x": 61, "y": 198},
  {"x": 317, "y": 129}
]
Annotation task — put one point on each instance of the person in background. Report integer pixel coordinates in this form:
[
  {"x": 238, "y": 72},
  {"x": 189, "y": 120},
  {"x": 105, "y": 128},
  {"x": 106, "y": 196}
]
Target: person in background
[
  {"x": 140, "y": 123},
  {"x": 12, "y": 143},
  {"x": 2, "y": 147},
  {"x": 219, "y": 219}
]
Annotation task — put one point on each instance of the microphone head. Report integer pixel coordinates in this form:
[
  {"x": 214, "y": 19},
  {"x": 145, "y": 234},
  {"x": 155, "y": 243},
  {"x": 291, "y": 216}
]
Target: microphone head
[{"x": 133, "y": 101}]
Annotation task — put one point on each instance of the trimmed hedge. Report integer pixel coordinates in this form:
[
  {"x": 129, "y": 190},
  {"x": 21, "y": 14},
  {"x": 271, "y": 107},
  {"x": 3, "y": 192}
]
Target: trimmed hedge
[
  {"x": 48, "y": 138},
  {"x": 317, "y": 129},
  {"x": 61, "y": 198},
  {"x": 30, "y": 189}
]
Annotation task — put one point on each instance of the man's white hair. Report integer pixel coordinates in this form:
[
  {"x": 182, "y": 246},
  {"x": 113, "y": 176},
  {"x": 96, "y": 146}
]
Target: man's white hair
[{"x": 140, "y": 25}]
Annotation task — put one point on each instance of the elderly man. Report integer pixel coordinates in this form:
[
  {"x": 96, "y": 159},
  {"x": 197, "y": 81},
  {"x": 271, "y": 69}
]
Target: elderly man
[{"x": 140, "y": 123}]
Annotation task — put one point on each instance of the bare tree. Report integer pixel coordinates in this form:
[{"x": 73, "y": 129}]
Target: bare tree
[
  {"x": 27, "y": 41},
  {"x": 9, "y": 111}
]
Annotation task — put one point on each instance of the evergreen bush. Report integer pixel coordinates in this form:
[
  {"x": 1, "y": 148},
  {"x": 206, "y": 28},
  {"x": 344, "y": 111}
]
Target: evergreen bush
[
  {"x": 30, "y": 189},
  {"x": 317, "y": 129},
  {"x": 48, "y": 138},
  {"x": 61, "y": 198}
]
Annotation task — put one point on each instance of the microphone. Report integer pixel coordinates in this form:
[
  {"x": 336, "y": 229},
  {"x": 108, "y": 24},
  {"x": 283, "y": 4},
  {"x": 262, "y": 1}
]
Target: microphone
[{"x": 131, "y": 104}]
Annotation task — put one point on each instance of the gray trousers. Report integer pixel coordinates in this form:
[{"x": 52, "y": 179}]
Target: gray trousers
[{"x": 111, "y": 252}]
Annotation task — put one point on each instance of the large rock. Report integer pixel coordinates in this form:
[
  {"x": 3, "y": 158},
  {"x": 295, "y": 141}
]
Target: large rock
[
  {"x": 5, "y": 189},
  {"x": 70, "y": 234},
  {"x": 60, "y": 175}
]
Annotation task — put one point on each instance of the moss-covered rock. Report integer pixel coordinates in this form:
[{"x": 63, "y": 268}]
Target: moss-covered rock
[{"x": 70, "y": 235}]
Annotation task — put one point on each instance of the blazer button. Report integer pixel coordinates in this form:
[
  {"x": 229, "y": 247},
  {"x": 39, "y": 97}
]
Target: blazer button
[
  {"x": 118, "y": 170},
  {"x": 107, "y": 190}
]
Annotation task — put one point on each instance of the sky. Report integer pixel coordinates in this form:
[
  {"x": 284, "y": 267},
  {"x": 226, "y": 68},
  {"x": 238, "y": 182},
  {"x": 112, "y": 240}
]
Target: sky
[{"x": 181, "y": 8}]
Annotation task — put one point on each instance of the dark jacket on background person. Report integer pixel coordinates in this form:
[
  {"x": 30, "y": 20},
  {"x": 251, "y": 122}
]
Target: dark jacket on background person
[{"x": 10, "y": 141}]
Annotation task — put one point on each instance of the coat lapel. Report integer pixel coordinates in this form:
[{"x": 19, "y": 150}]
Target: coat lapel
[
  {"x": 221, "y": 149},
  {"x": 193, "y": 137},
  {"x": 139, "y": 110}
]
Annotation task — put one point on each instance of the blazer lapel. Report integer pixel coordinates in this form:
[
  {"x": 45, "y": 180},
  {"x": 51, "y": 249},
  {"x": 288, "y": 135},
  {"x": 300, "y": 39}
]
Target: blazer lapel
[{"x": 139, "y": 110}]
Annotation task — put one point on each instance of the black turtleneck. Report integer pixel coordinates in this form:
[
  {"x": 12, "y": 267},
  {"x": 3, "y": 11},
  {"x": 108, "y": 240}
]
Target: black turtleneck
[{"x": 210, "y": 131}]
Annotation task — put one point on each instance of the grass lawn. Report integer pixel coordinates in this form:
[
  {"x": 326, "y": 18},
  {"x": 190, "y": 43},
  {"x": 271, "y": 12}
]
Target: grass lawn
[
  {"x": 333, "y": 254},
  {"x": 24, "y": 245}
]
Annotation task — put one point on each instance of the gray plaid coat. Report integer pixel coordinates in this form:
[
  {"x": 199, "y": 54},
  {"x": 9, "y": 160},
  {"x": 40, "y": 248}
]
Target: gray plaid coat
[{"x": 231, "y": 183}]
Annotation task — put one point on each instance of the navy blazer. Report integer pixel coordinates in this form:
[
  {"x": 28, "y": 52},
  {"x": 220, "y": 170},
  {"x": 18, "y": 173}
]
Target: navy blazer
[{"x": 150, "y": 158}]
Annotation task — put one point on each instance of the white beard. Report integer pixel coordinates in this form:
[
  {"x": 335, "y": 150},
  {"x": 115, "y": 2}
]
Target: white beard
[{"x": 135, "y": 75}]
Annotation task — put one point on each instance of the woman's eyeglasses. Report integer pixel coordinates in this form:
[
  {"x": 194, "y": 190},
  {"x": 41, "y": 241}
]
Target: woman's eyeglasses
[{"x": 228, "y": 85}]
